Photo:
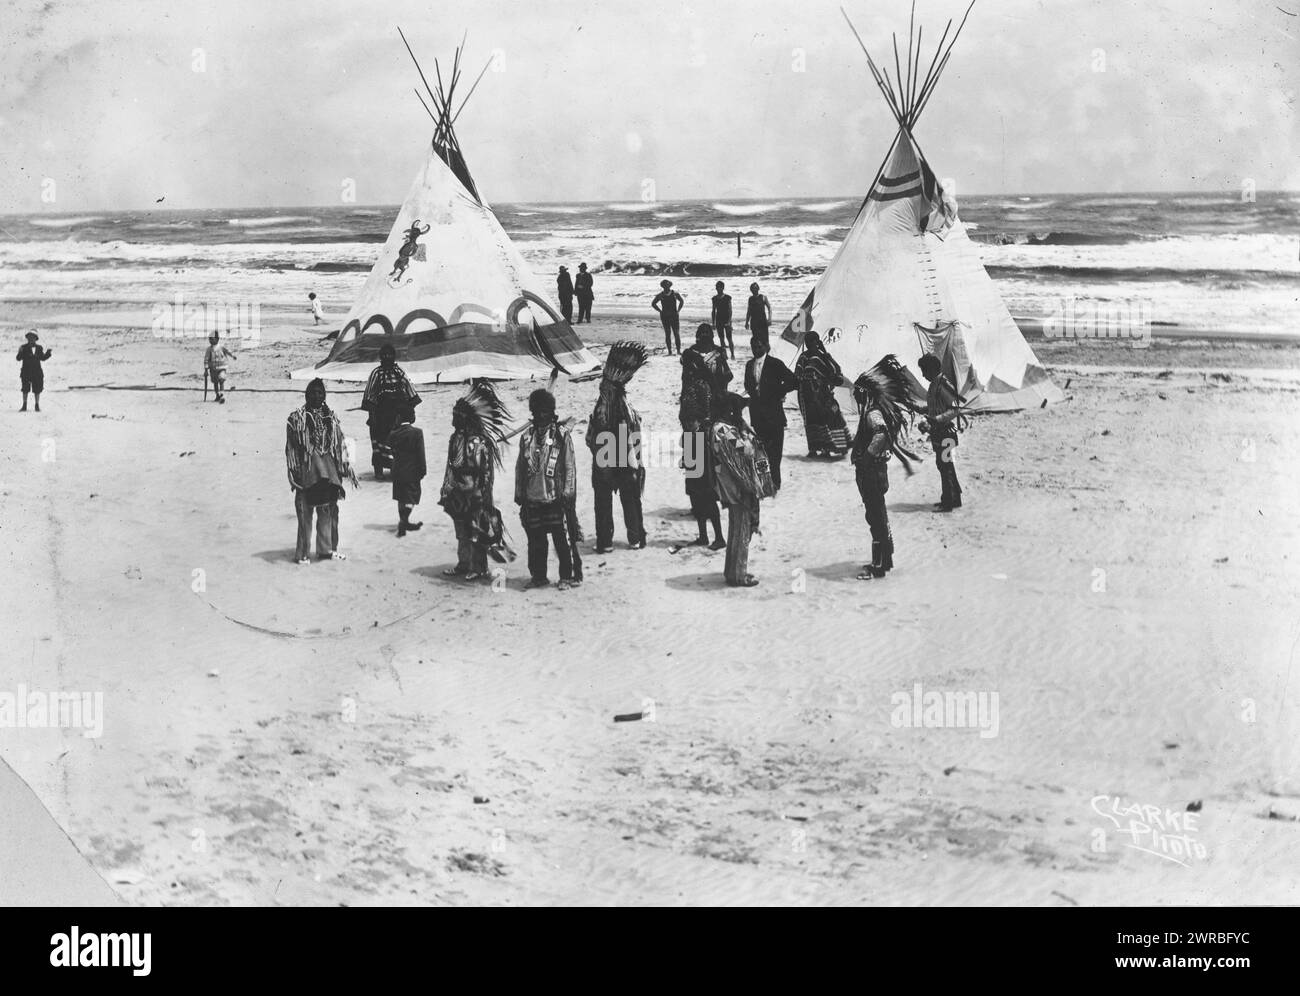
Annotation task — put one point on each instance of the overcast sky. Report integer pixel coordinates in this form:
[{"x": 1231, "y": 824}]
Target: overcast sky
[{"x": 704, "y": 97}]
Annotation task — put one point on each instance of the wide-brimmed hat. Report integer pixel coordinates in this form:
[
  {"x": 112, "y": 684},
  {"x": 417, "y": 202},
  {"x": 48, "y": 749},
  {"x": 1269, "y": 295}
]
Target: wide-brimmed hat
[{"x": 32, "y": 336}]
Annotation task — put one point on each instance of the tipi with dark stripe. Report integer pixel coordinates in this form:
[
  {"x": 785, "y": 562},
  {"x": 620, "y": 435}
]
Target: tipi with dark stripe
[
  {"x": 450, "y": 292},
  {"x": 907, "y": 280}
]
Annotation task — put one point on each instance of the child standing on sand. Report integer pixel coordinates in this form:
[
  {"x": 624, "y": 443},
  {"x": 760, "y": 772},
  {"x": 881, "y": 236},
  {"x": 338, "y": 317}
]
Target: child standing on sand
[
  {"x": 215, "y": 362},
  {"x": 407, "y": 445},
  {"x": 316, "y": 312}
]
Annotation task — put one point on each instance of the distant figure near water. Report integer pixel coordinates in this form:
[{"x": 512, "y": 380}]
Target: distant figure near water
[
  {"x": 31, "y": 356},
  {"x": 722, "y": 318},
  {"x": 758, "y": 313},
  {"x": 583, "y": 290},
  {"x": 668, "y": 303},
  {"x": 564, "y": 286},
  {"x": 317, "y": 314}
]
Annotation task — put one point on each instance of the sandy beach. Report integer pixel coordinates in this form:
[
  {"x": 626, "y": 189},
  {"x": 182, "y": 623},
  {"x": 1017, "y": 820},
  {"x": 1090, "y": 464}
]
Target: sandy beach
[{"x": 1123, "y": 577}]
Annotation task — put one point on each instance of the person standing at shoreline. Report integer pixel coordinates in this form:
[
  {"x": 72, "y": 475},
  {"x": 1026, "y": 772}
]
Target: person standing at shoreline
[
  {"x": 564, "y": 287},
  {"x": 758, "y": 313},
  {"x": 32, "y": 376},
  {"x": 668, "y": 303},
  {"x": 722, "y": 318},
  {"x": 585, "y": 292}
]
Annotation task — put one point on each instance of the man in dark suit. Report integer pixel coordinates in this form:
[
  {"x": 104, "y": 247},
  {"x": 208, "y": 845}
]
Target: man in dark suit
[{"x": 767, "y": 382}]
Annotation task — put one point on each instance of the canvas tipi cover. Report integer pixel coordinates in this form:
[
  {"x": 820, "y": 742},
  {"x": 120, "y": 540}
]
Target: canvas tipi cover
[
  {"x": 907, "y": 280},
  {"x": 451, "y": 292}
]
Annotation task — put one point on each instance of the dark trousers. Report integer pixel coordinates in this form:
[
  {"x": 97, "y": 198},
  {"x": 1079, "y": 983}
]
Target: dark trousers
[
  {"x": 671, "y": 333},
  {"x": 773, "y": 439},
  {"x": 629, "y": 495},
  {"x": 537, "y": 540},
  {"x": 873, "y": 485},
  {"x": 584, "y": 308},
  {"x": 943, "y": 459},
  {"x": 759, "y": 332},
  {"x": 566, "y": 308}
]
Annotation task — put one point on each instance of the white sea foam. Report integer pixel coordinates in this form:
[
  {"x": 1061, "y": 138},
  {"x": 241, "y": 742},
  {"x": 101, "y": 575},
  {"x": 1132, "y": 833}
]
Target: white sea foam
[
  {"x": 824, "y": 207},
  {"x": 62, "y": 222},
  {"x": 743, "y": 210},
  {"x": 268, "y": 222}
]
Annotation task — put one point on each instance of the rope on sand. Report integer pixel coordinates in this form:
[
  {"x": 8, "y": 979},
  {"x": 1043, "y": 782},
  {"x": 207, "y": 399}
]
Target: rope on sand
[{"x": 286, "y": 635}]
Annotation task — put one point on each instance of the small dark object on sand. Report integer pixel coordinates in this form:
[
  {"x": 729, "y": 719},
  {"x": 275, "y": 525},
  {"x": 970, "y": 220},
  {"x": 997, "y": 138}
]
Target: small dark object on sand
[
  {"x": 1194, "y": 807},
  {"x": 628, "y": 717},
  {"x": 480, "y": 799}
]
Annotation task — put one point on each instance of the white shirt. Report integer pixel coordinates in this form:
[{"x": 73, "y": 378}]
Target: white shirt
[{"x": 758, "y": 373}]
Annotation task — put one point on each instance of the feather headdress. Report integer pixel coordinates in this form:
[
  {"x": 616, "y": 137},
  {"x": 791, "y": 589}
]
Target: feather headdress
[
  {"x": 624, "y": 359},
  {"x": 483, "y": 414},
  {"x": 886, "y": 388}
]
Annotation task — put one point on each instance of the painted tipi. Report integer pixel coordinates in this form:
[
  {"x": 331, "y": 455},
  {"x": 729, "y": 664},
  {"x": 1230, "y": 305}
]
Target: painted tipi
[
  {"x": 907, "y": 280},
  {"x": 450, "y": 291}
]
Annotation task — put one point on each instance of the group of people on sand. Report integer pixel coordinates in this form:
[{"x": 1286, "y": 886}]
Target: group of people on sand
[
  {"x": 668, "y": 304},
  {"x": 581, "y": 287},
  {"x": 545, "y": 474},
  {"x": 729, "y": 463},
  {"x": 739, "y": 464}
]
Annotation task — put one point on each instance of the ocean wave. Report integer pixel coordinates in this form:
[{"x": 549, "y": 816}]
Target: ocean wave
[
  {"x": 1207, "y": 278},
  {"x": 824, "y": 207},
  {"x": 63, "y": 222},
  {"x": 1116, "y": 202},
  {"x": 741, "y": 210},
  {"x": 632, "y": 207},
  {"x": 269, "y": 222},
  {"x": 688, "y": 268},
  {"x": 542, "y": 209}
]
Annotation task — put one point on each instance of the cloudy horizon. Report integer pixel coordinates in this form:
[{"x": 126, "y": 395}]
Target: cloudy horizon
[{"x": 260, "y": 106}]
